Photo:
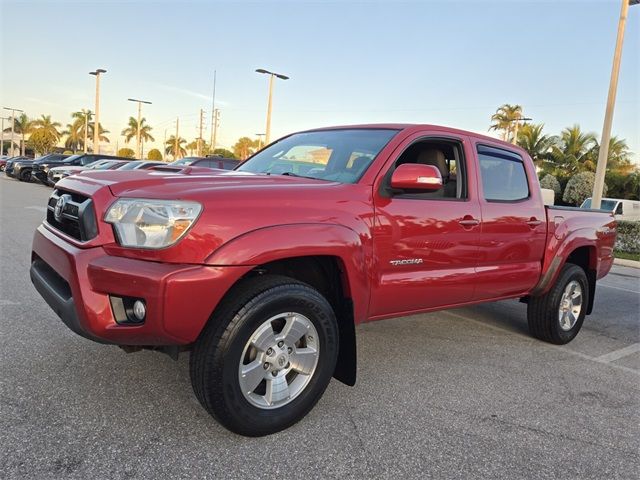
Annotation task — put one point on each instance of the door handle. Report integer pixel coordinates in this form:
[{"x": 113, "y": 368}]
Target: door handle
[
  {"x": 469, "y": 222},
  {"x": 534, "y": 222}
]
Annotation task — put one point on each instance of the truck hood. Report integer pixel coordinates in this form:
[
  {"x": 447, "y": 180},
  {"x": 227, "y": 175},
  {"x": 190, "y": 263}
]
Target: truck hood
[{"x": 187, "y": 183}]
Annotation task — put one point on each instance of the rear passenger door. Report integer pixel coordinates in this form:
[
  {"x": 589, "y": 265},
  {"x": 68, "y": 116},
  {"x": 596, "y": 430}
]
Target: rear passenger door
[{"x": 513, "y": 230}]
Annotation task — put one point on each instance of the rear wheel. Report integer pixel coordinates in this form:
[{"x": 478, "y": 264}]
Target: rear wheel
[
  {"x": 557, "y": 316},
  {"x": 266, "y": 356},
  {"x": 25, "y": 176}
]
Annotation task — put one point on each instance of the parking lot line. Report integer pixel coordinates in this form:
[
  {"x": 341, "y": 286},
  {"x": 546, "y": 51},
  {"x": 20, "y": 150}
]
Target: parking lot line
[
  {"x": 618, "y": 354},
  {"x": 617, "y": 288},
  {"x": 602, "y": 359}
]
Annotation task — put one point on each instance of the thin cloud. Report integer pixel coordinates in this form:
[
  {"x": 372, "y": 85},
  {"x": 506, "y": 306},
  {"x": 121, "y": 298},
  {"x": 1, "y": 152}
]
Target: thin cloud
[{"x": 190, "y": 93}]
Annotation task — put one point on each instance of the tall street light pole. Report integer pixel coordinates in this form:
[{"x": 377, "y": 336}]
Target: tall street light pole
[
  {"x": 259, "y": 135},
  {"x": 514, "y": 140},
  {"x": 271, "y": 75},
  {"x": 13, "y": 121},
  {"x": 140, "y": 102},
  {"x": 603, "y": 154},
  {"x": 96, "y": 123}
]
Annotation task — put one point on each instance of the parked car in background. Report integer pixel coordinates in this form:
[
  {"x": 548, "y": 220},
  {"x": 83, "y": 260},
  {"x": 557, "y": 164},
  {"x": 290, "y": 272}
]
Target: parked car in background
[
  {"x": 219, "y": 163},
  {"x": 622, "y": 209},
  {"x": 140, "y": 165},
  {"x": 22, "y": 169},
  {"x": 8, "y": 167},
  {"x": 40, "y": 170},
  {"x": 58, "y": 173}
]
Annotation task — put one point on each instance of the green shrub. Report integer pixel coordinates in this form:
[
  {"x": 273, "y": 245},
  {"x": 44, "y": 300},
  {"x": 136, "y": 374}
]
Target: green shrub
[
  {"x": 154, "y": 154},
  {"x": 628, "y": 239},
  {"x": 552, "y": 183},
  {"x": 126, "y": 153},
  {"x": 579, "y": 188}
]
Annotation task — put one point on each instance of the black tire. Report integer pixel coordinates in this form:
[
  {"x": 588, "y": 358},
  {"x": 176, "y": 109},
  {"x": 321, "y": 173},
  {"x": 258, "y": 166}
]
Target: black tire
[
  {"x": 216, "y": 354},
  {"x": 542, "y": 311},
  {"x": 25, "y": 176}
]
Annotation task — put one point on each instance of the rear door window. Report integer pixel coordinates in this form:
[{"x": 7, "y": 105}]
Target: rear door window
[{"x": 503, "y": 175}]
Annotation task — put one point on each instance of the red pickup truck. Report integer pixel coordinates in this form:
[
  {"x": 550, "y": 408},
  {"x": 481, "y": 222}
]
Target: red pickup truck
[{"x": 263, "y": 272}]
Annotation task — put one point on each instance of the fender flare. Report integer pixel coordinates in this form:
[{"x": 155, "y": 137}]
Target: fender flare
[{"x": 280, "y": 242}]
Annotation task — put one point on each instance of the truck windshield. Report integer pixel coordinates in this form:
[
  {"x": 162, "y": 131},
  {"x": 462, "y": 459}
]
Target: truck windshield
[
  {"x": 606, "y": 205},
  {"x": 334, "y": 155}
]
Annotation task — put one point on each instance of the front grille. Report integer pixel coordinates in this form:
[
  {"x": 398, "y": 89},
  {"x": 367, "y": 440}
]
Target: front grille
[{"x": 75, "y": 216}]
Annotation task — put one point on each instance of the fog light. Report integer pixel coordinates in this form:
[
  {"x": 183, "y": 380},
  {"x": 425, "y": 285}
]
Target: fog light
[{"x": 139, "y": 309}]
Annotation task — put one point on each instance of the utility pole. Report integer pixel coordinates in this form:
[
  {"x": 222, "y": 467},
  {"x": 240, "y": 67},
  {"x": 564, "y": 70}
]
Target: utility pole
[
  {"x": 213, "y": 113},
  {"x": 200, "y": 135},
  {"x": 164, "y": 147},
  {"x": 216, "y": 123},
  {"x": 13, "y": 122},
  {"x": 175, "y": 140},
  {"x": 96, "y": 124},
  {"x": 603, "y": 153}
]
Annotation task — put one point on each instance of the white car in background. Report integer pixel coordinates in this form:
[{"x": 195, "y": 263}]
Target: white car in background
[
  {"x": 58, "y": 173},
  {"x": 622, "y": 209}
]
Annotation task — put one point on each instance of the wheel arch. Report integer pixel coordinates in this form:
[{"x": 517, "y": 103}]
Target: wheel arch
[{"x": 330, "y": 258}]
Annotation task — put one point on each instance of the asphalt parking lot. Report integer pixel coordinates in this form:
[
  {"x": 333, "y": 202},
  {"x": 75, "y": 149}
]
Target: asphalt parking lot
[{"x": 459, "y": 394}]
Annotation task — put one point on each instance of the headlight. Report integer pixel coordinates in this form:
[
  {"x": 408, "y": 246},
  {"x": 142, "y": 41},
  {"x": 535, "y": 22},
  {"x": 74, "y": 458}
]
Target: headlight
[{"x": 142, "y": 223}]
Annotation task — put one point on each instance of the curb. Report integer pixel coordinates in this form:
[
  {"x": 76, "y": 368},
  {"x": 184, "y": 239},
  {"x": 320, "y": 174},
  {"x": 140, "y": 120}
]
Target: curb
[{"x": 626, "y": 263}]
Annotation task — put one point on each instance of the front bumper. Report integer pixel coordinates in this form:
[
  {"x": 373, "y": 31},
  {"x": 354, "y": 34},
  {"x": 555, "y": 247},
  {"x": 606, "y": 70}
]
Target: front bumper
[{"x": 77, "y": 284}]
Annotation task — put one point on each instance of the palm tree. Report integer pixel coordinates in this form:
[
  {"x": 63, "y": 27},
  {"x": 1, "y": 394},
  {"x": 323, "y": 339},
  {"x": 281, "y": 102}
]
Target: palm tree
[
  {"x": 618, "y": 157},
  {"x": 245, "y": 147},
  {"x": 538, "y": 145},
  {"x": 47, "y": 127},
  {"x": 132, "y": 131},
  {"x": 170, "y": 147},
  {"x": 75, "y": 135},
  {"x": 574, "y": 151},
  {"x": 192, "y": 146},
  {"x": 504, "y": 119},
  {"x": 21, "y": 126},
  {"x": 77, "y": 130}
]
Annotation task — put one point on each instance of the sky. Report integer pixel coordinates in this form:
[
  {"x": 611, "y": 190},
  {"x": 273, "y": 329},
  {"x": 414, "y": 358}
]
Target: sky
[{"x": 447, "y": 63}]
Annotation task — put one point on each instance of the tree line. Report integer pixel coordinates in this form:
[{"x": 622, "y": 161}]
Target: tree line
[
  {"x": 566, "y": 162},
  {"x": 43, "y": 135}
]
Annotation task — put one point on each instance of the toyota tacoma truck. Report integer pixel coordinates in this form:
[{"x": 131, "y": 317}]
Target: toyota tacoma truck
[{"x": 263, "y": 272}]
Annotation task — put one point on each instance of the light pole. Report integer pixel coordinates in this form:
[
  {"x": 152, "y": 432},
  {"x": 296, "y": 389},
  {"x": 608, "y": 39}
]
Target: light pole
[
  {"x": 140, "y": 102},
  {"x": 514, "y": 140},
  {"x": 259, "y": 135},
  {"x": 96, "y": 123},
  {"x": 271, "y": 75},
  {"x": 603, "y": 154},
  {"x": 13, "y": 121}
]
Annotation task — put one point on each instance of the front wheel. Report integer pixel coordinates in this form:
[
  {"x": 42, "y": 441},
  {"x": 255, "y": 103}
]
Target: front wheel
[
  {"x": 266, "y": 356},
  {"x": 557, "y": 316}
]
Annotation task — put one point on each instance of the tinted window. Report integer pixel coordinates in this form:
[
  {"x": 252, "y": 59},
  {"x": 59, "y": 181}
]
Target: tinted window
[
  {"x": 130, "y": 165},
  {"x": 503, "y": 176}
]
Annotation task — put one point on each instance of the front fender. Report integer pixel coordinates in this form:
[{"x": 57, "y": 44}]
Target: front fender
[{"x": 280, "y": 242}]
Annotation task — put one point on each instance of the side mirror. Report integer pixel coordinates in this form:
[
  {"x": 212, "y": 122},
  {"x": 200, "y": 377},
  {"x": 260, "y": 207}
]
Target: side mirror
[{"x": 415, "y": 176}]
